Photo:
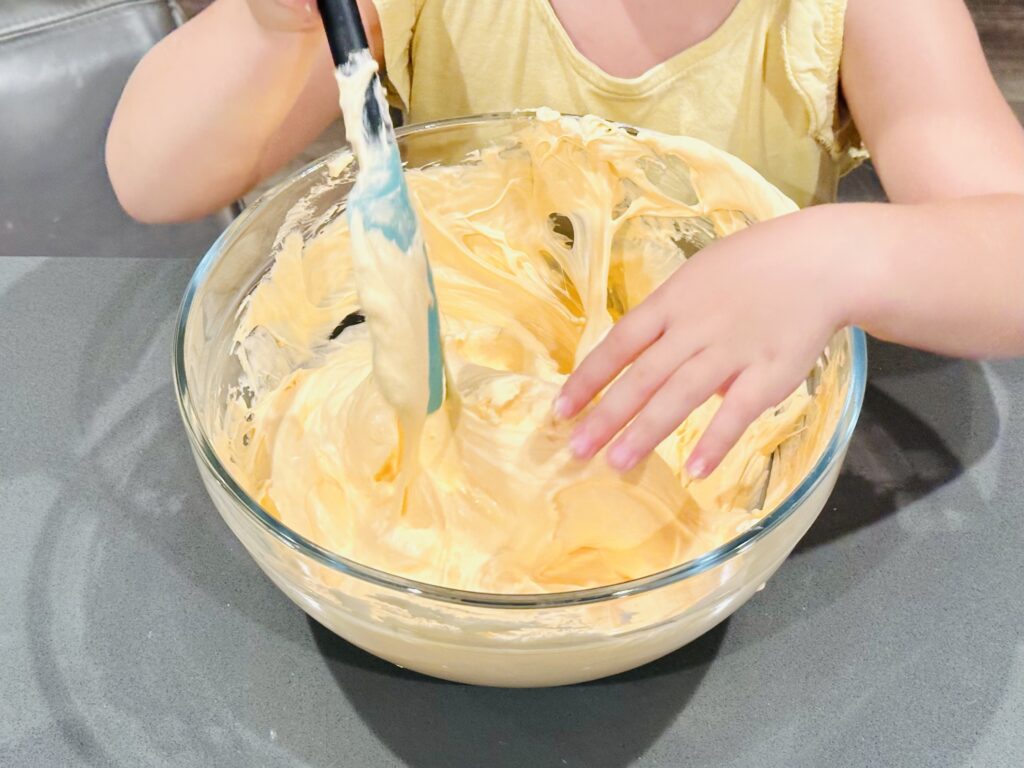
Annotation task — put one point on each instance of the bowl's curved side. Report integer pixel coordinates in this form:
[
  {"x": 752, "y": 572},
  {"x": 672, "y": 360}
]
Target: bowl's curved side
[{"x": 514, "y": 647}]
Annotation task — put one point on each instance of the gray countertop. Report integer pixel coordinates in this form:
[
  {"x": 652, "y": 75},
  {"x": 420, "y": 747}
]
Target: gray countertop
[{"x": 135, "y": 631}]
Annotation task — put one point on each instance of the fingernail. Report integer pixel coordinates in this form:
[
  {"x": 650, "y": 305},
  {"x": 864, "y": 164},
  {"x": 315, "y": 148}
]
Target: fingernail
[
  {"x": 561, "y": 407},
  {"x": 697, "y": 468},
  {"x": 622, "y": 457},
  {"x": 581, "y": 445}
]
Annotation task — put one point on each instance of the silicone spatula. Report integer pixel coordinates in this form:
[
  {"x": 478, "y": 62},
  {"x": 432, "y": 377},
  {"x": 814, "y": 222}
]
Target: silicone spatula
[{"x": 386, "y": 206}]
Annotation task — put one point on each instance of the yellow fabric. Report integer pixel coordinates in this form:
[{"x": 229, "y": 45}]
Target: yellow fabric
[{"x": 763, "y": 86}]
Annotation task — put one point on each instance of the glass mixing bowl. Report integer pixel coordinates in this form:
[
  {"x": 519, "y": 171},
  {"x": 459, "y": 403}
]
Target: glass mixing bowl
[{"x": 473, "y": 637}]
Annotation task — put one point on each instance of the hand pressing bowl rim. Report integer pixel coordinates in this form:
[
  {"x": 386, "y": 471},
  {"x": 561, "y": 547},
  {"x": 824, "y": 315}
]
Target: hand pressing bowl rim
[{"x": 474, "y": 637}]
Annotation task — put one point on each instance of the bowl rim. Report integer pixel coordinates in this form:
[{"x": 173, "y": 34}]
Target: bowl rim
[{"x": 204, "y": 453}]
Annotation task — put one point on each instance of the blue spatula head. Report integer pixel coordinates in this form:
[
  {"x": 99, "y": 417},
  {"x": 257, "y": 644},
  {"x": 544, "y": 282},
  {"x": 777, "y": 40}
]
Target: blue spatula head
[{"x": 381, "y": 198}]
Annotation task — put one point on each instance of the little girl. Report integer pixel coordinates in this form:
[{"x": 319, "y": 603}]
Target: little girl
[{"x": 801, "y": 90}]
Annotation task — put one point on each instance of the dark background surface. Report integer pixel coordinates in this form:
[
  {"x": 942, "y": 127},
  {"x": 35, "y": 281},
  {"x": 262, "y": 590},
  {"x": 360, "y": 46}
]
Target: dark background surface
[{"x": 136, "y": 631}]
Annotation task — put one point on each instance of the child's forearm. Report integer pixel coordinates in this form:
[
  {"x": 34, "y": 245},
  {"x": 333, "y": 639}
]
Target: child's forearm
[
  {"x": 947, "y": 276},
  {"x": 193, "y": 125}
]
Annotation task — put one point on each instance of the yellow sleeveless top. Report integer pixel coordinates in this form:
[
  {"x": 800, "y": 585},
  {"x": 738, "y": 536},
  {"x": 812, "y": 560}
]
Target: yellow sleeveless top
[{"x": 764, "y": 86}]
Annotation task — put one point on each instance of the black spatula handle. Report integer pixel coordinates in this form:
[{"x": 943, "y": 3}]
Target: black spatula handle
[
  {"x": 346, "y": 34},
  {"x": 344, "y": 26}
]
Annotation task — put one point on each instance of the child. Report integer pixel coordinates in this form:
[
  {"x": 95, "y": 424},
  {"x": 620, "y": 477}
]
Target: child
[{"x": 791, "y": 86}]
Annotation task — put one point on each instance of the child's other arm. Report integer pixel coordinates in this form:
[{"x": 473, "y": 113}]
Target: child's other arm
[{"x": 945, "y": 264}]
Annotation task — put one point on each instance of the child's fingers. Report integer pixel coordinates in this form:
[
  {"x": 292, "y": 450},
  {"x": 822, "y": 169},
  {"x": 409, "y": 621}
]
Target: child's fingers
[
  {"x": 753, "y": 391},
  {"x": 724, "y": 388},
  {"x": 623, "y": 344},
  {"x": 689, "y": 386},
  {"x": 628, "y": 395}
]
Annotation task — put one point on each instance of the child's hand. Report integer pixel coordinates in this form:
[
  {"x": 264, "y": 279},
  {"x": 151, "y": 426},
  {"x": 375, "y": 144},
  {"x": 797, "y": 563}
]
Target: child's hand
[
  {"x": 747, "y": 317},
  {"x": 285, "y": 15}
]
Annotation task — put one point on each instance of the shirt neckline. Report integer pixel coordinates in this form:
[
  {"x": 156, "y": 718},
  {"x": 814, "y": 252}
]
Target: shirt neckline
[{"x": 647, "y": 81}]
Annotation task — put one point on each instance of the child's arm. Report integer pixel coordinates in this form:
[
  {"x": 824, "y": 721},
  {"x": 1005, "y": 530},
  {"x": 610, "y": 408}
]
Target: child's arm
[
  {"x": 942, "y": 267},
  {"x": 221, "y": 103},
  {"x": 947, "y": 260}
]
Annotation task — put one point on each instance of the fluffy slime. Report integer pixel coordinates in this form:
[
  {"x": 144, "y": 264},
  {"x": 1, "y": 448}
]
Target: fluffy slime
[{"x": 537, "y": 247}]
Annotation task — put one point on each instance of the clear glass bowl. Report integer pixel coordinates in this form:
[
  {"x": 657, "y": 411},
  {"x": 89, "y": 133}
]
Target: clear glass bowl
[{"x": 473, "y": 637}]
